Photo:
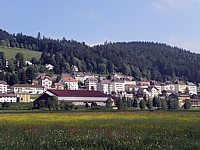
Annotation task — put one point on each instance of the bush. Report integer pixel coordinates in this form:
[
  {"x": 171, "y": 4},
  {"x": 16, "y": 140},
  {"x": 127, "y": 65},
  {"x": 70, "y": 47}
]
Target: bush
[
  {"x": 6, "y": 105},
  {"x": 142, "y": 104},
  {"x": 187, "y": 104}
]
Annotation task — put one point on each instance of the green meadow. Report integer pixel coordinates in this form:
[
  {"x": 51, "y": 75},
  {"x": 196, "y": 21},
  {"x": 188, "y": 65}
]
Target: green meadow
[
  {"x": 151, "y": 130},
  {"x": 28, "y": 54}
]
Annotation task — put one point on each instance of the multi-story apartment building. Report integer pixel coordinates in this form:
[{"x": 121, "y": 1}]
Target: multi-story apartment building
[
  {"x": 28, "y": 88},
  {"x": 192, "y": 88},
  {"x": 104, "y": 86},
  {"x": 3, "y": 87},
  {"x": 69, "y": 82},
  {"x": 91, "y": 83}
]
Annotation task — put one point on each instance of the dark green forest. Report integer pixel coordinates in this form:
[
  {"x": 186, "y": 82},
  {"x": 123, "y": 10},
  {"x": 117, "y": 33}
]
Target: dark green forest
[{"x": 155, "y": 61}]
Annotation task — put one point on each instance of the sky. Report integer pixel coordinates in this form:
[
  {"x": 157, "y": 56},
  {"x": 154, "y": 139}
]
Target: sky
[{"x": 174, "y": 22}]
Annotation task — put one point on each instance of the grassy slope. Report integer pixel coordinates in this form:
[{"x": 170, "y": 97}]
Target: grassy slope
[{"x": 28, "y": 54}]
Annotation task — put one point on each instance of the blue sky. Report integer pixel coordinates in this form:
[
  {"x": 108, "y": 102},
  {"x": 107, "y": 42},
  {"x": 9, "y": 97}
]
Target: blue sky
[{"x": 175, "y": 22}]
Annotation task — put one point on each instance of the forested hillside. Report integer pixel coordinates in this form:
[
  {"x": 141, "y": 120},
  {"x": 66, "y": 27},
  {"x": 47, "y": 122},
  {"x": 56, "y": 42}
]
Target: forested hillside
[{"x": 141, "y": 59}]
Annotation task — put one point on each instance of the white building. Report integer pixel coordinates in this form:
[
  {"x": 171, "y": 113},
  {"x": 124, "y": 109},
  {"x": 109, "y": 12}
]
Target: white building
[
  {"x": 82, "y": 76},
  {"x": 91, "y": 83},
  {"x": 168, "y": 85},
  {"x": 69, "y": 82},
  {"x": 192, "y": 88},
  {"x": 8, "y": 98},
  {"x": 28, "y": 88},
  {"x": 180, "y": 86},
  {"x": 49, "y": 66},
  {"x": 3, "y": 87},
  {"x": 104, "y": 86},
  {"x": 45, "y": 81},
  {"x": 117, "y": 85},
  {"x": 77, "y": 97}
]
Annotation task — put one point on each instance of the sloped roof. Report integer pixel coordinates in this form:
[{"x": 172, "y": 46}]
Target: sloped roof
[
  {"x": 44, "y": 77},
  {"x": 27, "y": 85},
  {"x": 69, "y": 79},
  {"x": 191, "y": 84},
  {"x": 3, "y": 82},
  {"x": 77, "y": 93}
]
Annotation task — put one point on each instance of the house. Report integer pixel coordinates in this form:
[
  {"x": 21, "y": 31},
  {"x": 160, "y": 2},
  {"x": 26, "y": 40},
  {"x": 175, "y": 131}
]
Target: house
[
  {"x": 157, "y": 85},
  {"x": 45, "y": 81},
  {"x": 117, "y": 85},
  {"x": 91, "y": 83},
  {"x": 104, "y": 86},
  {"x": 192, "y": 88},
  {"x": 28, "y": 88},
  {"x": 195, "y": 102},
  {"x": 69, "y": 82},
  {"x": 180, "y": 86},
  {"x": 153, "y": 91},
  {"x": 77, "y": 97},
  {"x": 74, "y": 68},
  {"x": 168, "y": 85},
  {"x": 23, "y": 97},
  {"x": 3, "y": 87},
  {"x": 49, "y": 66},
  {"x": 82, "y": 76},
  {"x": 8, "y": 98},
  {"x": 58, "y": 86},
  {"x": 143, "y": 82},
  {"x": 28, "y": 63},
  {"x": 131, "y": 87}
]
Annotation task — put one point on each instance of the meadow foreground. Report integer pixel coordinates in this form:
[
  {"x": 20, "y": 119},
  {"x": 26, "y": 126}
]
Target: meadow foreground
[{"x": 101, "y": 130}]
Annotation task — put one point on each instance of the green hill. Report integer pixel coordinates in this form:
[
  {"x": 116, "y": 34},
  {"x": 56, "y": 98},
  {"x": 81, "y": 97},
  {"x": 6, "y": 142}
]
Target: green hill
[{"x": 28, "y": 54}]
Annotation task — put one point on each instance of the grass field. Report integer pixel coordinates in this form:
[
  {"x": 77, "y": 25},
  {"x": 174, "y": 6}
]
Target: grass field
[
  {"x": 101, "y": 130},
  {"x": 28, "y": 54}
]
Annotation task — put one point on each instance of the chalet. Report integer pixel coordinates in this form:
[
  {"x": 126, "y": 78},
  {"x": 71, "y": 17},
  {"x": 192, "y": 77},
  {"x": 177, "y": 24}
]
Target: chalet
[
  {"x": 77, "y": 97},
  {"x": 45, "y": 81},
  {"x": 69, "y": 82},
  {"x": 153, "y": 91}
]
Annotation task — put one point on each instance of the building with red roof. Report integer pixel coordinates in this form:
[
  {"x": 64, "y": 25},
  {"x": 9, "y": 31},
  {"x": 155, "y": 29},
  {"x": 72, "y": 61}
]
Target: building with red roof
[{"x": 77, "y": 97}]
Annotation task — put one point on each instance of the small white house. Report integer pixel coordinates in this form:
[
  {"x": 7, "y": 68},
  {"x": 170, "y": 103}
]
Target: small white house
[
  {"x": 3, "y": 87},
  {"x": 8, "y": 98},
  {"x": 45, "y": 81},
  {"x": 49, "y": 66}
]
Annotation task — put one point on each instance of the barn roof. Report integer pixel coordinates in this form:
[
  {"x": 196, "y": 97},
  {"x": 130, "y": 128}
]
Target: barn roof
[{"x": 77, "y": 93}]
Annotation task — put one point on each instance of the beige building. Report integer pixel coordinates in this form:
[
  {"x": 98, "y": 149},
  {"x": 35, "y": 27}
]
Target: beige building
[
  {"x": 91, "y": 83},
  {"x": 180, "y": 86}
]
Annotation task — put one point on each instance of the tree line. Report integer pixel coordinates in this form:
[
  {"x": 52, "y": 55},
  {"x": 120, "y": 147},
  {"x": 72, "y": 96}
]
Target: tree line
[{"x": 155, "y": 61}]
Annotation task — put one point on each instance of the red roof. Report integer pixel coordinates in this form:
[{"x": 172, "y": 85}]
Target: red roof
[
  {"x": 78, "y": 93},
  {"x": 44, "y": 77}
]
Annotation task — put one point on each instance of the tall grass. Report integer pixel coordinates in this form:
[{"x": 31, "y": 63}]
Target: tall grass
[{"x": 101, "y": 130}]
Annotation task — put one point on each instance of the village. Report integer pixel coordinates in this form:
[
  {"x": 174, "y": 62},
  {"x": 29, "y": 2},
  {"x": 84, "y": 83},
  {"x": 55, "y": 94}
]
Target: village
[{"x": 82, "y": 87}]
